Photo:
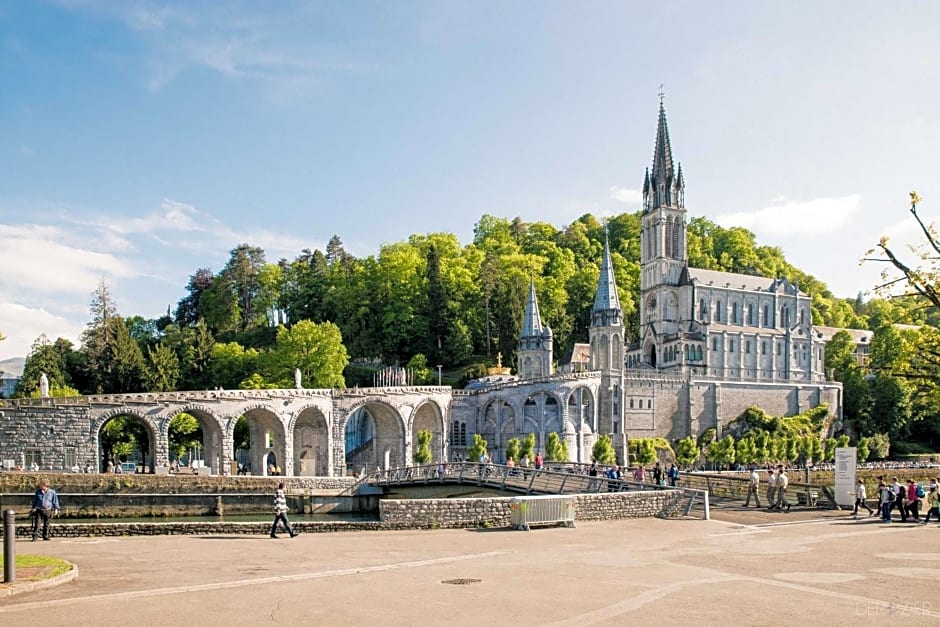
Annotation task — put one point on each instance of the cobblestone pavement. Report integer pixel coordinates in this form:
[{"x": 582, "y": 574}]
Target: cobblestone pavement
[{"x": 753, "y": 567}]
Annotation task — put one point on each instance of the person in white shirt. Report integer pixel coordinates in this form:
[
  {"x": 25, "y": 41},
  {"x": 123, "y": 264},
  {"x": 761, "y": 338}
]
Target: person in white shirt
[
  {"x": 782, "y": 483},
  {"x": 860, "y": 497},
  {"x": 752, "y": 489},
  {"x": 771, "y": 489}
]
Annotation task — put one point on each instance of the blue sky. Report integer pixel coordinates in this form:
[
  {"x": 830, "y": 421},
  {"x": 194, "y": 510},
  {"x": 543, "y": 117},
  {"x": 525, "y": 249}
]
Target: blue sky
[{"x": 141, "y": 140}]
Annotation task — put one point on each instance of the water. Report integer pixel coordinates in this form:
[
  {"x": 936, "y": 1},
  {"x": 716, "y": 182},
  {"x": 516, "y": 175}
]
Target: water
[{"x": 235, "y": 518}]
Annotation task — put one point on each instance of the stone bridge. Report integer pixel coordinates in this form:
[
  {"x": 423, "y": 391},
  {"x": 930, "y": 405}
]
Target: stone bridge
[{"x": 303, "y": 432}]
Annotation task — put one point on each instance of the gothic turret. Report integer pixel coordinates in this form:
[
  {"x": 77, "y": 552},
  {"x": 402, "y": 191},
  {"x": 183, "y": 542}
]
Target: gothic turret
[
  {"x": 606, "y": 310},
  {"x": 535, "y": 341},
  {"x": 664, "y": 186}
]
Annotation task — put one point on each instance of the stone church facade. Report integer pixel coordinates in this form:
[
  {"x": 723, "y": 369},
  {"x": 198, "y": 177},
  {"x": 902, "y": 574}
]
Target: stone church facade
[{"x": 710, "y": 345}]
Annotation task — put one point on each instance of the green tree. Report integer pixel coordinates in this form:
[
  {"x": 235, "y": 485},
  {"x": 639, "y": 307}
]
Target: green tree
[
  {"x": 829, "y": 449},
  {"x": 687, "y": 452},
  {"x": 477, "y": 449},
  {"x": 746, "y": 451},
  {"x": 316, "y": 349},
  {"x": 418, "y": 366},
  {"x": 512, "y": 449},
  {"x": 43, "y": 357},
  {"x": 184, "y": 434},
  {"x": 527, "y": 446},
  {"x": 422, "y": 454},
  {"x": 603, "y": 450},
  {"x": 879, "y": 446},
  {"x": 644, "y": 450},
  {"x": 162, "y": 369},
  {"x": 721, "y": 452},
  {"x": 556, "y": 449},
  {"x": 113, "y": 361},
  {"x": 862, "y": 452},
  {"x": 231, "y": 364}
]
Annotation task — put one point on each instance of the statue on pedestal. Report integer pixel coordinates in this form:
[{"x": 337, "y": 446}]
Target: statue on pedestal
[{"x": 43, "y": 385}]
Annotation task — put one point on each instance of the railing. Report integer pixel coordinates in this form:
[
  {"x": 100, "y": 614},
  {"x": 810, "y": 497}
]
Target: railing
[
  {"x": 733, "y": 486},
  {"x": 506, "y": 478}
]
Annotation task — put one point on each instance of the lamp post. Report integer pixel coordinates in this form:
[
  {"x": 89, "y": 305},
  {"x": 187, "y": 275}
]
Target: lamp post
[{"x": 439, "y": 367}]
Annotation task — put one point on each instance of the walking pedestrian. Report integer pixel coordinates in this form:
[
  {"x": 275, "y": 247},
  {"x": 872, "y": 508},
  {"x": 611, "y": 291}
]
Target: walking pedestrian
[
  {"x": 886, "y": 499},
  {"x": 771, "y": 489},
  {"x": 933, "y": 504},
  {"x": 913, "y": 500},
  {"x": 280, "y": 512},
  {"x": 674, "y": 475},
  {"x": 900, "y": 494},
  {"x": 45, "y": 506},
  {"x": 860, "y": 497},
  {"x": 782, "y": 483},
  {"x": 752, "y": 489}
]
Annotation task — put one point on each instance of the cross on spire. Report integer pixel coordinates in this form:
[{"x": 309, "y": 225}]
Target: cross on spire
[{"x": 662, "y": 94}]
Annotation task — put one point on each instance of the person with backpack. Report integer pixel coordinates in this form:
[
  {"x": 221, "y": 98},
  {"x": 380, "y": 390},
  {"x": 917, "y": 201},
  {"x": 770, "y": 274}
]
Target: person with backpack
[
  {"x": 886, "y": 500},
  {"x": 674, "y": 476},
  {"x": 933, "y": 504},
  {"x": 900, "y": 495},
  {"x": 914, "y": 495}
]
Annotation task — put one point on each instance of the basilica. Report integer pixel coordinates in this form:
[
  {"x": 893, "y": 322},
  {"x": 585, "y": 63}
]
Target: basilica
[{"x": 710, "y": 344}]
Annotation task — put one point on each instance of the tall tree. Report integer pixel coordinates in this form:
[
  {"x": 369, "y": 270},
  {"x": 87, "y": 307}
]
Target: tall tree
[
  {"x": 187, "y": 310},
  {"x": 43, "y": 358},
  {"x": 316, "y": 349},
  {"x": 162, "y": 369},
  {"x": 113, "y": 361}
]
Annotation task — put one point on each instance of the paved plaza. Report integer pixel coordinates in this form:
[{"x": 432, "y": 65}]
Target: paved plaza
[{"x": 754, "y": 568}]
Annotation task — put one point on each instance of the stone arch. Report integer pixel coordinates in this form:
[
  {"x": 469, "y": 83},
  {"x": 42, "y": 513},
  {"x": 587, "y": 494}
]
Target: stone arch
[
  {"x": 156, "y": 443},
  {"x": 382, "y": 429},
  {"x": 499, "y": 418},
  {"x": 428, "y": 416},
  {"x": 215, "y": 445},
  {"x": 580, "y": 403},
  {"x": 268, "y": 440},
  {"x": 311, "y": 439}
]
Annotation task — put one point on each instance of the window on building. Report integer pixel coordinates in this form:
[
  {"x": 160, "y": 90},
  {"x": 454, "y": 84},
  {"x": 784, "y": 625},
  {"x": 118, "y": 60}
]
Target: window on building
[
  {"x": 718, "y": 311},
  {"x": 750, "y": 315},
  {"x": 631, "y": 403},
  {"x": 785, "y": 315},
  {"x": 747, "y": 346},
  {"x": 702, "y": 310},
  {"x": 730, "y": 346},
  {"x": 779, "y": 348},
  {"x": 649, "y": 403},
  {"x": 734, "y": 313},
  {"x": 763, "y": 348},
  {"x": 714, "y": 343},
  {"x": 33, "y": 458},
  {"x": 70, "y": 458}
]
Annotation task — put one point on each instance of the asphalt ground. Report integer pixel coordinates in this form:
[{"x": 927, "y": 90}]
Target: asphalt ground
[{"x": 751, "y": 567}]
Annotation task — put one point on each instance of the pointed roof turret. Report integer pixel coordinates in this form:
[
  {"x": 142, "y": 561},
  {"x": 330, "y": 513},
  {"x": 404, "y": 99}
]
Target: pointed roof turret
[
  {"x": 606, "y": 300},
  {"x": 532, "y": 322},
  {"x": 663, "y": 175}
]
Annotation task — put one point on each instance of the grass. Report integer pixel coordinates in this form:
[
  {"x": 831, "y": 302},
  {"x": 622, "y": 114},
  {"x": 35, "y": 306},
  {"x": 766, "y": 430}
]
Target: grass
[{"x": 43, "y": 566}]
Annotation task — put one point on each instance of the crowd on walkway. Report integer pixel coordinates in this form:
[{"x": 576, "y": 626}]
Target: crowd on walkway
[{"x": 908, "y": 499}]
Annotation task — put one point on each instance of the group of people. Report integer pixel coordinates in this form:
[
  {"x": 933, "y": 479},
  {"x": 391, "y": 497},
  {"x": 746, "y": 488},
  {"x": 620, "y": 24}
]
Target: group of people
[
  {"x": 778, "y": 483},
  {"x": 658, "y": 474},
  {"x": 907, "y": 499}
]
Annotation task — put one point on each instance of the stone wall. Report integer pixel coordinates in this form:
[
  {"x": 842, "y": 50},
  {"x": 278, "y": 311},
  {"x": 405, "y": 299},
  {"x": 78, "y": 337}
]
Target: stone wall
[{"x": 495, "y": 512}]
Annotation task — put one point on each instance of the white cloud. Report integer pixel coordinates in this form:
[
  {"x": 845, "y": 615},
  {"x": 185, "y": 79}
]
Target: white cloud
[
  {"x": 625, "y": 195},
  {"x": 22, "y": 325},
  {"x": 40, "y": 259},
  {"x": 818, "y": 217}
]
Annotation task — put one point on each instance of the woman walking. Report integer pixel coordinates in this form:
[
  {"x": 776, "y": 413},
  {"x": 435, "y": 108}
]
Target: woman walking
[{"x": 280, "y": 512}]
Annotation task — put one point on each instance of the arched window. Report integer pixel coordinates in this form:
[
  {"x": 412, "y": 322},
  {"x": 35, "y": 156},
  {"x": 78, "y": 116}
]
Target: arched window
[
  {"x": 676, "y": 233},
  {"x": 669, "y": 237},
  {"x": 766, "y": 316},
  {"x": 702, "y": 310},
  {"x": 718, "y": 311},
  {"x": 750, "y": 315},
  {"x": 734, "y": 313},
  {"x": 785, "y": 315}
]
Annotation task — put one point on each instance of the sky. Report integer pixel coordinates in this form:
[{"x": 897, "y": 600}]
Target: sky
[{"x": 142, "y": 140}]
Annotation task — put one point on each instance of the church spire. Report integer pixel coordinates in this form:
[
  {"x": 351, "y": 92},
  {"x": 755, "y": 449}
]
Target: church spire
[
  {"x": 606, "y": 310},
  {"x": 662, "y": 178},
  {"x": 532, "y": 322}
]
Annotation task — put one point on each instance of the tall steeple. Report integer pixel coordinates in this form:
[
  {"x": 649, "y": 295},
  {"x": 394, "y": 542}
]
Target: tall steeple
[
  {"x": 606, "y": 310},
  {"x": 532, "y": 322},
  {"x": 664, "y": 188},
  {"x": 535, "y": 341}
]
